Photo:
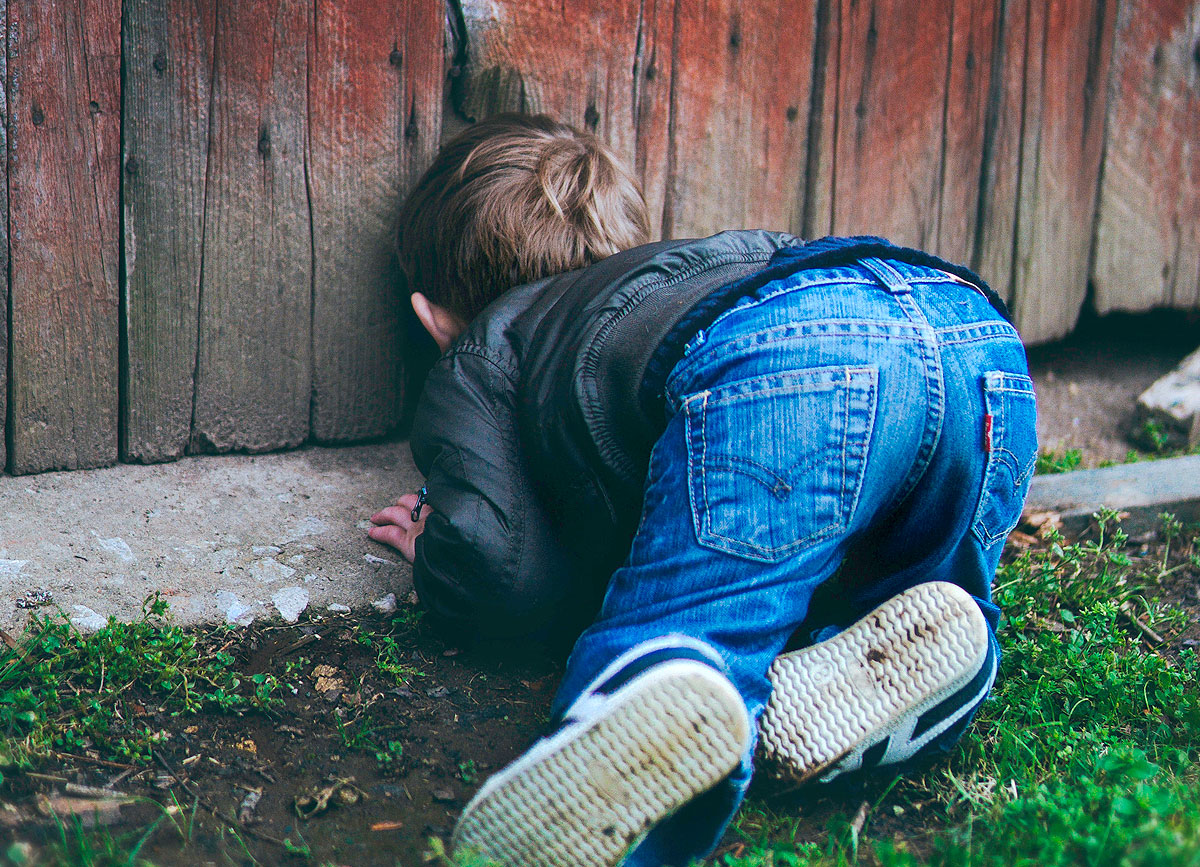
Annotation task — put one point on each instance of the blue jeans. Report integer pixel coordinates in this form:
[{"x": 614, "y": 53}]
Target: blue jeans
[{"x": 878, "y": 415}]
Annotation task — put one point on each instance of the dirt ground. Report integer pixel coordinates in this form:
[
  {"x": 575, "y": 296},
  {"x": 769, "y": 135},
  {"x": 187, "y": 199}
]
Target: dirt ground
[
  {"x": 385, "y": 761},
  {"x": 1088, "y": 384}
]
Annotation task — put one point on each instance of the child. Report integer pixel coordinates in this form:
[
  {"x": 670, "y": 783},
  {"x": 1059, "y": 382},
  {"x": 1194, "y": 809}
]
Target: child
[{"x": 699, "y": 433}]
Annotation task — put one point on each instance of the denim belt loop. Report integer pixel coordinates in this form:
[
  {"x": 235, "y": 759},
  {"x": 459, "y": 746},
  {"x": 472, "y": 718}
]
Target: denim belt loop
[{"x": 889, "y": 277}]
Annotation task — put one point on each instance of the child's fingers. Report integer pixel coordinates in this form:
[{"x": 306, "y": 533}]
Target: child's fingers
[
  {"x": 396, "y": 537},
  {"x": 398, "y": 515}
]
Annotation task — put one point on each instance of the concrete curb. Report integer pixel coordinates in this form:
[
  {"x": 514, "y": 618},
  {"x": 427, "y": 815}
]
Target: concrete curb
[
  {"x": 1144, "y": 490},
  {"x": 224, "y": 539}
]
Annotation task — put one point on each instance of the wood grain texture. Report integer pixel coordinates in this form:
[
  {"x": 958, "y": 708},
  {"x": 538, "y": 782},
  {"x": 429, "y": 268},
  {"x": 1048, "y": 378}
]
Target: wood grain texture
[
  {"x": 64, "y": 162},
  {"x": 254, "y": 354},
  {"x": 903, "y": 125},
  {"x": 885, "y": 104},
  {"x": 707, "y": 99},
  {"x": 601, "y": 65},
  {"x": 1148, "y": 228},
  {"x": 168, "y": 68},
  {"x": 739, "y": 105},
  {"x": 1067, "y": 49},
  {"x": 375, "y": 97},
  {"x": 4, "y": 238}
]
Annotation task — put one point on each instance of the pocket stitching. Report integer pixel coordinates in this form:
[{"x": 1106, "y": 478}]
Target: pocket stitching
[
  {"x": 1014, "y": 384},
  {"x": 702, "y": 518}
]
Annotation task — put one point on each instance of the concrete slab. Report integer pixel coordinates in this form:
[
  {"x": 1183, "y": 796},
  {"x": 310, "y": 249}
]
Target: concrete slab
[
  {"x": 1144, "y": 490},
  {"x": 228, "y": 538}
]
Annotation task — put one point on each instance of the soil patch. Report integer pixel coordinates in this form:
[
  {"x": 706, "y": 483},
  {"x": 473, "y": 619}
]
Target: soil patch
[{"x": 1089, "y": 383}]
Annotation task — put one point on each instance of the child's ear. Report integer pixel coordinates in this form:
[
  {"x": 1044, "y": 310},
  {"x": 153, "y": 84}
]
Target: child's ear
[{"x": 443, "y": 325}]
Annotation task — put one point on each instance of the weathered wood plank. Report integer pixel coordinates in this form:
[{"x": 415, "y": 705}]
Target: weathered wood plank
[
  {"x": 965, "y": 137},
  {"x": 739, "y": 108},
  {"x": 254, "y": 356},
  {"x": 1148, "y": 228},
  {"x": 707, "y": 99},
  {"x": 4, "y": 238},
  {"x": 375, "y": 97},
  {"x": 999, "y": 183},
  {"x": 1068, "y": 45},
  {"x": 64, "y": 163},
  {"x": 885, "y": 107},
  {"x": 168, "y": 67}
]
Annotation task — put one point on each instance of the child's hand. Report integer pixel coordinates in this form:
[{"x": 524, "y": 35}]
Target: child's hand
[{"x": 396, "y": 527}]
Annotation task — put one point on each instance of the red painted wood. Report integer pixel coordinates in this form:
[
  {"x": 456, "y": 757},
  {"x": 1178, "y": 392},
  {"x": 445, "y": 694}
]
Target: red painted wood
[
  {"x": 375, "y": 102},
  {"x": 739, "y": 108},
  {"x": 254, "y": 356},
  {"x": 63, "y": 151},
  {"x": 1148, "y": 229},
  {"x": 885, "y": 100},
  {"x": 1066, "y": 63}
]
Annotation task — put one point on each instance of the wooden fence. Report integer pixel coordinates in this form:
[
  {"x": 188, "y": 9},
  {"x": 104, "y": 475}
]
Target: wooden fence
[{"x": 199, "y": 192}]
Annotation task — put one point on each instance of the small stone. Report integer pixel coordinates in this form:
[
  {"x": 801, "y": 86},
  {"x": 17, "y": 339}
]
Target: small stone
[
  {"x": 437, "y": 692},
  {"x": 443, "y": 796},
  {"x": 235, "y": 610},
  {"x": 385, "y": 605},
  {"x": 338, "y": 608},
  {"x": 290, "y": 602},
  {"x": 270, "y": 569},
  {"x": 116, "y": 545},
  {"x": 87, "y": 620}
]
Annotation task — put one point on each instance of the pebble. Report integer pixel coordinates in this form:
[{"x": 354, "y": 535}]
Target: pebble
[
  {"x": 386, "y": 605},
  {"x": 338, "y": 608},
  {"x": 87, "y": 620},
  {"x": 290, "y": 602}
]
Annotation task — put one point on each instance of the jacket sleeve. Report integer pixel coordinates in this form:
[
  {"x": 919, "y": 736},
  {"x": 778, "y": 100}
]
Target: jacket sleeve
[{"x": 488, "y": 563}]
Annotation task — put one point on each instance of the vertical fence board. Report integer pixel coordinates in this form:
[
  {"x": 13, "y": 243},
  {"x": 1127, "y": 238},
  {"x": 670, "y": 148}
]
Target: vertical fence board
[
  {"x": 1148, "y": 227},
  {"x": 999, "y": 183},
  {"x": 965, "y": 138},
  {"x": 1066, "y": 62},
  {"x": 64, "y": 152},
  {"x": 254, "y": 360},
  {"x": 4, "y": 237},
  {"x": 168, "y": 66},
  {"x": 739, "y": 115},
  {"x": 375, "y": 97},
  {"x": 885, "y": 106}
]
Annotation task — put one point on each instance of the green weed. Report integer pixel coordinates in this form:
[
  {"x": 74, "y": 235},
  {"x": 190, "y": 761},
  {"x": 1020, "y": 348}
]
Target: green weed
[
  {"x": 63, "y": 691},
  {"x": 1049, "y": 462}
]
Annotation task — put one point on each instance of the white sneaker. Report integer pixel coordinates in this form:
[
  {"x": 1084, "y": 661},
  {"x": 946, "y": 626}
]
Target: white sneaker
[
  {"x": 882, "y": 690},
  {"x": 658, "y": 727}
]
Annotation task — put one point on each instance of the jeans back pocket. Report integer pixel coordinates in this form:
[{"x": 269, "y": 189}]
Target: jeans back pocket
[
  {"x": 1010, "y": 440},
  {"x": 775, "y": 463}
]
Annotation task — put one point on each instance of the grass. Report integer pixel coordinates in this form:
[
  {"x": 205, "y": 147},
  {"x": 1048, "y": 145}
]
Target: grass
[
  {"x": 1151, "y": 435},
  {"x": 113, "y": 694}
]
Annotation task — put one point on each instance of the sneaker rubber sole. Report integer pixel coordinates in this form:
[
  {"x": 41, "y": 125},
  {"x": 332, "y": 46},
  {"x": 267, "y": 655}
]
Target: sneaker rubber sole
[
  {"x": 833, "y": 700},
  {"x": 584, "y": 796}
]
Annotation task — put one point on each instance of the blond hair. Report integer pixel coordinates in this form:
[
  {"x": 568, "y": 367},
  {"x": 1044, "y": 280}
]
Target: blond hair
[{"x": 510, "y": 200}]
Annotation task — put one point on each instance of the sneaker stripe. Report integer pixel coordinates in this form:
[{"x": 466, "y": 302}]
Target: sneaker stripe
[{"x": 962, "y": 702}]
